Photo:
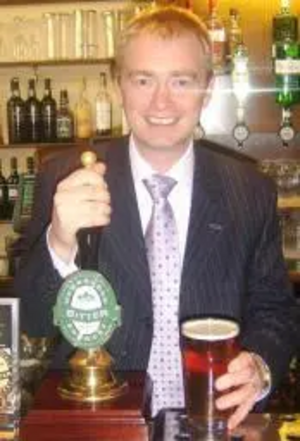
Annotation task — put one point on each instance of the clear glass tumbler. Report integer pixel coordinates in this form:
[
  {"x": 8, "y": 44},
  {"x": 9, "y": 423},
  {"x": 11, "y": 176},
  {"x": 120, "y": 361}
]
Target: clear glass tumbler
[
  {"x": 51, "y": 25},
  {"x": 89, "y": 34}
]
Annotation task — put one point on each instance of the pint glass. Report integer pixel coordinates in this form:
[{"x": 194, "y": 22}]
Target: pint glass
[{"x": 208, "y": 344}]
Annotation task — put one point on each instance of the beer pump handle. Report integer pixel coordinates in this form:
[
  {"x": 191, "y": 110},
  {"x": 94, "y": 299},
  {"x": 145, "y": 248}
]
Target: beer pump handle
[
  {"x": 84, "y": 235},
  {"x": 88, "y": 158}
]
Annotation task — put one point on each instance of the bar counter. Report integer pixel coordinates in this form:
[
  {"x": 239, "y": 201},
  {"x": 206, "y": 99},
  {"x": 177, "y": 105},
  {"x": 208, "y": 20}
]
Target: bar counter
[
  {"x": 257, "y": 427},
  {"x": 52, "y": 418}
]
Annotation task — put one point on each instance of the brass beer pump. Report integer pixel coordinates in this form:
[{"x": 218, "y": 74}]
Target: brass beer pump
[
  {"x": 87, "y": 313},
  {"x": 91, "y": 378}
]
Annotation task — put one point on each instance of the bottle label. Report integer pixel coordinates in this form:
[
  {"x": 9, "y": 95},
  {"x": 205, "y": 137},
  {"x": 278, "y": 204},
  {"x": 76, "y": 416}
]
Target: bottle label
[
  {"x": 12, "y": 193},
  {"x": 219, "y": 48},
  {"x": 103, "y": 116},
  {"x": 49, "y": 123},
  {"x": 16, "y": 124},
  {"x": 217, "y": 35},
  {"x": 27, "y": 196},
  {"x": 84, "y": 129},
  {"x": 64, "y": 128},
  {"x": 287, "y": 67},
  {"x": 83, "y": 123},
  {"x": 285, "y": 28},
  {"x": 219, "y": 55},
  {"x": 273, "y": 51}
]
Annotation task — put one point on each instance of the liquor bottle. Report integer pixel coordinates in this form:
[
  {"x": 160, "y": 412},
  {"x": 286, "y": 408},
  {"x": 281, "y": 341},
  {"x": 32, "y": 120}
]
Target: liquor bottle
[
  {"x": 83, "y": 115},
  {"x": 1, "y": 127},
  {"x": 286, "y": 54},
  {"x": 12, "y": 186},
  {"x": 235, "y": 35},
  {"x": 241, "y": 90},
  {"x": 48, "y": 112},
  {"x": 3, "y": 195},
  {"x": 103, "y": 108},
  {"x": 285, "y": 25},
  {"x": 287, "y": 75},
  {"x": 16, "y": 118},
  {"x": 24, "y": 203},
  {"x": 33, "y": 114},
  {"x": 64, "y": 119},
  {"x": 218, "y": 36}
]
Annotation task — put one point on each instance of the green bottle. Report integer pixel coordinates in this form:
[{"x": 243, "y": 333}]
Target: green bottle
[{"x": 286, "y": 55}]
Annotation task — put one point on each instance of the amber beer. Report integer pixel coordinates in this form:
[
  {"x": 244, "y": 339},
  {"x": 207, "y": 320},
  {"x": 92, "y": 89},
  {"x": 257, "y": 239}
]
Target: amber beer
[{"x": 208, "y": 345}]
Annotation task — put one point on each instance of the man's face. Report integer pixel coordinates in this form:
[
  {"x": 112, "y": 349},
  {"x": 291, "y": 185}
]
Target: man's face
[{"x": 162, "y": 87}]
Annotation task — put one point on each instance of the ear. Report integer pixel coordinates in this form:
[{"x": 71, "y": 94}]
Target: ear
[{"x": 118, "y": 91}]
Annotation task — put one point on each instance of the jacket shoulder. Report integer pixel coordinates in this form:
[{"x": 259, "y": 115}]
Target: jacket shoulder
[{"x": 234, "y": 166}]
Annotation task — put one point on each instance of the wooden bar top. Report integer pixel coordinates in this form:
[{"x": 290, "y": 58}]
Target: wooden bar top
[
  {"x": 127, "y": 419},
  {"x": 52, "y": 418}
]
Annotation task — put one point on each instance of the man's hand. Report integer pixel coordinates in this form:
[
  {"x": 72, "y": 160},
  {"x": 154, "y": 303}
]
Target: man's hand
[
  {"x": 245, "y": 381},
  {"x": 81, "y": 200}
]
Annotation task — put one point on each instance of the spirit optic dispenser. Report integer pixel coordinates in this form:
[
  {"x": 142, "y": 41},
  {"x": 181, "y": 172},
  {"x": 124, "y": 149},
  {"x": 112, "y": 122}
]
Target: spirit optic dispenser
[
  {"x": 286, "y": 57},
  {"x": 241, "y": 90}
]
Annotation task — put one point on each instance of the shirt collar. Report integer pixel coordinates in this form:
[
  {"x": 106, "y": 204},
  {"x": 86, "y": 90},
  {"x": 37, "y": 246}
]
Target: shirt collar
[{"x": 182, "y": 171}]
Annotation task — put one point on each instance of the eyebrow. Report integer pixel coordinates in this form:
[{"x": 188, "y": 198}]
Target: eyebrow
[
  {"x": 132, "y": 73},
  {"x": 175, "y": 73}
]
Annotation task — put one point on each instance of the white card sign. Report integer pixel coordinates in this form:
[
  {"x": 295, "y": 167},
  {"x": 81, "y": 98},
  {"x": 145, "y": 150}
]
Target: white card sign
[{"x": 9, "y": 365}]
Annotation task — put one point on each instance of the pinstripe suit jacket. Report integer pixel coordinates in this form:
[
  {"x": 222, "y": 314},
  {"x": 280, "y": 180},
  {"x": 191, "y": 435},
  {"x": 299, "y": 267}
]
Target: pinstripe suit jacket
[{"x": 233, "y": 263}]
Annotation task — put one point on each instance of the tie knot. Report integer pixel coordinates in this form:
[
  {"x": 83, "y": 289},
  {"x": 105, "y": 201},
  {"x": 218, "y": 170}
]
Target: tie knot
[{"x": 159, "y": 186}]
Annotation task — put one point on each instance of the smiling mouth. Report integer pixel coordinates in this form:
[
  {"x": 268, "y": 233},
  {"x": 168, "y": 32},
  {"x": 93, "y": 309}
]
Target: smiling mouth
[{"x": 160, "y": 121}]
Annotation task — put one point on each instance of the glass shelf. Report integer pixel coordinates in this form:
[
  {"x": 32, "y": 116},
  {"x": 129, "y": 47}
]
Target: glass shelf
[
  {"x": 56, "y": 62},
  {"x": 39, "y": 2},
  {"x": 38, "y": 145},
  {"x": 58, "y": 145}
]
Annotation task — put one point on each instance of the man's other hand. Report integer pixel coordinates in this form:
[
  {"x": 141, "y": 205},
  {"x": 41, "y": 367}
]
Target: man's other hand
[{"x": 241, "y": 387}]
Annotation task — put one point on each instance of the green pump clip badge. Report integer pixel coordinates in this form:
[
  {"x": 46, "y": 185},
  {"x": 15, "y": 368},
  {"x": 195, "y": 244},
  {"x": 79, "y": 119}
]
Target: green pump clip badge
[{"x": 86, "y": 310}]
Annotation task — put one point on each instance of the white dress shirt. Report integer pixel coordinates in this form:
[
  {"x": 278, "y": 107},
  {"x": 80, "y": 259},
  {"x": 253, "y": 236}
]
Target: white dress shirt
[{"x": 180, "y": 196}]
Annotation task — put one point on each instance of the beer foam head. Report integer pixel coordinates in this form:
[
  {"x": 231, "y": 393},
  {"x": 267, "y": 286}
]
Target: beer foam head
[{"x": 211, "y": 329}]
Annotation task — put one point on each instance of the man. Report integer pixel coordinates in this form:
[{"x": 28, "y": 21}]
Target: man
[{"x": 230, "y": 258}]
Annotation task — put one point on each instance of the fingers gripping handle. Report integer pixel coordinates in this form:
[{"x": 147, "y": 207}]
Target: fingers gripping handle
[{"x": 86, "y": 253}]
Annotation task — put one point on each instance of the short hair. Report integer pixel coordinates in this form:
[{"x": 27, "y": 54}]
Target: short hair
[{"x": 165, "y": 22}]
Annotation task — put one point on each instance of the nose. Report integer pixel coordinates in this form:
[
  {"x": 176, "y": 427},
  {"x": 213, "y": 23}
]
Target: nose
[{"x": 162, "y": 97}]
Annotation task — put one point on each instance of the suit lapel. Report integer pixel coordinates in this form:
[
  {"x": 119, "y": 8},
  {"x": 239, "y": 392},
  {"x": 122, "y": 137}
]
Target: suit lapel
[
  {"x": 207, "y": 218},
  {"x": 125, "y": 231}
]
